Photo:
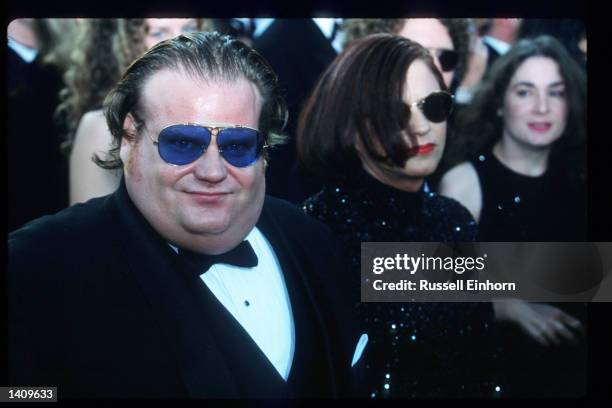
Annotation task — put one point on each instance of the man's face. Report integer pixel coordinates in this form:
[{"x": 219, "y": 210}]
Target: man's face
[
  {"x": 160, "y": 29},
  {"x": 208, "y": 205},
  {"x": 433, "y": 35}
]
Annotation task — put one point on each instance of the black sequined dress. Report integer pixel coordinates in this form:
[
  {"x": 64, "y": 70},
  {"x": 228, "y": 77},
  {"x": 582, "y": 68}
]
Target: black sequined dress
[{"x": 415, "y": 349}]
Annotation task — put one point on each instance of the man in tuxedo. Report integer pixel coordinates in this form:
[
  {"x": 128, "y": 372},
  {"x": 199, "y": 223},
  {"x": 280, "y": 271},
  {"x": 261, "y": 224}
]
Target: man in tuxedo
[
  {"x": 33, "y": 135},
  {"x": 187, "y": 281}
]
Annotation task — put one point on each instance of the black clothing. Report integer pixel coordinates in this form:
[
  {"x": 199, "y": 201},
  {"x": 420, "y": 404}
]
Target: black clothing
[
  {"x": 522, "y": 208},
  {"x": 492, "y": 55},
  {"x": 101, "y": 306},
  {"x": 299, "y": 53},
  {"x": 426, "y": 349},
  {"x": 37, "y": 170}
]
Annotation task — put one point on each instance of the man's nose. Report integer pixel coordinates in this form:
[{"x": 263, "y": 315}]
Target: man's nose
[{"x": 210, "y": 166}]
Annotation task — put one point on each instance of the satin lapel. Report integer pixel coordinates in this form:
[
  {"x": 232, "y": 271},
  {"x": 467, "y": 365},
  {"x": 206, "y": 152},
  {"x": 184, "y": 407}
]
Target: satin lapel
[
  {"x": 321, "y": 48},
  {"x": 172, "y": 295},
  {"x": 254, "y": 374}
]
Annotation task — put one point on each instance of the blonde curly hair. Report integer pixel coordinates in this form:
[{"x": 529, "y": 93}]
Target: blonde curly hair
[{"x": 103, "y": 49}]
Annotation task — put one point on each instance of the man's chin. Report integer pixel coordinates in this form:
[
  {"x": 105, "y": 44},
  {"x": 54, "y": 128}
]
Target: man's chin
[{"x": 211, "y": 228}]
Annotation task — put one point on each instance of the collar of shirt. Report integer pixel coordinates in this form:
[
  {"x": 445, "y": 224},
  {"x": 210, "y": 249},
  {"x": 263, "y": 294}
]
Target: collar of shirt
[
  {"x": 261, "y": 25},
  {"x": 498, "y": 45},
  {"x": 28, "y": 54},
  {"x": 258, "y": 299},
  {"x": 327, "y": 27}
]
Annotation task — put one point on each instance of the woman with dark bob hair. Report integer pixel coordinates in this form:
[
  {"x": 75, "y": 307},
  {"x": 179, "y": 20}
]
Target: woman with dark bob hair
[
  {"x": 373, "y": 129},
  {"x": 520, "y": 168}
]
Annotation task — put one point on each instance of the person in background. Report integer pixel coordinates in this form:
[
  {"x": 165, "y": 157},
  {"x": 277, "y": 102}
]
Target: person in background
[
  {"x": 570, "y": 32},
  {"x": 36, "y": 60},
  {"x": 241, "y": 28},
  {"x": 499, "y": 35},
  {"x": 448, "y": 40},
  {"x": 521, "y": 171},
  {"x": 476, "y": 67},
  {"x": 299, "y": 50}
]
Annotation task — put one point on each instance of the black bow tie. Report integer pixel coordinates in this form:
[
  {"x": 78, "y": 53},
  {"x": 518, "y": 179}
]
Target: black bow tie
[{"x": 243, "y": 256}]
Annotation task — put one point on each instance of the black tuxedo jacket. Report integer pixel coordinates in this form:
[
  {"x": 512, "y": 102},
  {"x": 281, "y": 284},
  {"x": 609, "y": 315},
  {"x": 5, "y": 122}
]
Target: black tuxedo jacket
[
  {"x": 101, "y": 306},
  {"x": 34, "y": 137},
  {"x": 299, "y": 53}
]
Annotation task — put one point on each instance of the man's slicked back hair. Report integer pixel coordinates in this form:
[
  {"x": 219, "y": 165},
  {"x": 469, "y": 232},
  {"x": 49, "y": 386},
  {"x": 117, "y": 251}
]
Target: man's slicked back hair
[{"x": 208, "y": 56}]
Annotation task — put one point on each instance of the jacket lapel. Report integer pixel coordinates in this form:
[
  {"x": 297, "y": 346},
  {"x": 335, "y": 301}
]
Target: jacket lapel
[
  {"x": 253, "y": 373},
  {"x": 216, "y": 357},
  {"x": 173, "y": 298},
  {"x": 311, "y": 374}
]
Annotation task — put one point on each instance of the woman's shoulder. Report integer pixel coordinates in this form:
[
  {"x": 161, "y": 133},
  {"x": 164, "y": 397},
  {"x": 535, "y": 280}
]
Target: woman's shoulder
[
  {"x": 459, "y": 179},
  {"x": 93, "y": 120},
  {"x": 462, "y": 183},
  {"x": 92, "y": 132}
]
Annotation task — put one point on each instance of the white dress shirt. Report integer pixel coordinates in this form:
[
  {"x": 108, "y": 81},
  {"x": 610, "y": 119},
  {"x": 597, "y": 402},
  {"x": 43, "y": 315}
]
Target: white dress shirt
[
  {"x": 26, "y": 53},
  {"x": 326, "y": 25},
  {"x": 258, "y": 299},
  {"x": 498, "y": 45}
]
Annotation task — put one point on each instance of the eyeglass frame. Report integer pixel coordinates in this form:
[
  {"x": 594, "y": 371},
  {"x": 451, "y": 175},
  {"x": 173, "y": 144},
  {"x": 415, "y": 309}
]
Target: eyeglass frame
[
  {"x": 420, "y": 102},
  {"x": 218, "y": 126}
]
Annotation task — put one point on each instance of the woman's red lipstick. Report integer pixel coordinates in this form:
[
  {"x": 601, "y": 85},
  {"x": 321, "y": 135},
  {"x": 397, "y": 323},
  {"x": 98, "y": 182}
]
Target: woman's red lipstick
[{"x": 423, "y": 149}]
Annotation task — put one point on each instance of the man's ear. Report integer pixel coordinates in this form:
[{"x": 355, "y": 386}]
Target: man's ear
[
  {"x": 128, "y": 140},
  {"x": 130, "y": 128}
]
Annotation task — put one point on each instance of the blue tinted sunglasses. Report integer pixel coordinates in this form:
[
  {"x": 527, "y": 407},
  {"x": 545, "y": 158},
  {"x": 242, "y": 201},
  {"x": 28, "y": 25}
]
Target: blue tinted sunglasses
[{"x": 182, "y": 144}]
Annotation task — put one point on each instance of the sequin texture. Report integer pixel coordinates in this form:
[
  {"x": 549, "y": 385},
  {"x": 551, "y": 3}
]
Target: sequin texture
[{"x": 425, "y": 348}]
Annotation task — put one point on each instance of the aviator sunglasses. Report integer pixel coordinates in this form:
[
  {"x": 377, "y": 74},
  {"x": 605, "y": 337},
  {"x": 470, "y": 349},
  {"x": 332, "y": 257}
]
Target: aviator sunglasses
[
  {"x": 448, "y": 58},
  {"x": 436, "y": 106},
  {"x": 182, "y": 144}
]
